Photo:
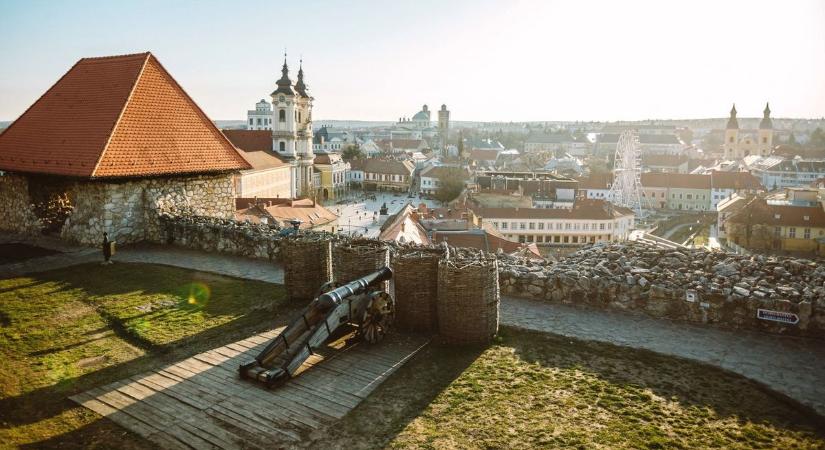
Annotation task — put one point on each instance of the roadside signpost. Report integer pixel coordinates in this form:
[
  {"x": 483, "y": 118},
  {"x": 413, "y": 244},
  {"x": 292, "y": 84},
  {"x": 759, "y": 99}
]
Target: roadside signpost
[{"x": 777, "y": 316}]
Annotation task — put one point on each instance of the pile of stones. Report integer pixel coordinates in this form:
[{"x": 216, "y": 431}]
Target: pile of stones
[{"x": 682, "y": 284}]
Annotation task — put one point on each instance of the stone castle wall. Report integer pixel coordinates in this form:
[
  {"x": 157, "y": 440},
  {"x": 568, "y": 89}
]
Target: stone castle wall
[
  {"x": 16, "y": 213},
  {"x": 130, "y": 210},
  {"x": 682, "y": 285}
]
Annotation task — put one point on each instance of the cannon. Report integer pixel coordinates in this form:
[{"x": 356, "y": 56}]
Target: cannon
[{"x": 359, "y": 304}]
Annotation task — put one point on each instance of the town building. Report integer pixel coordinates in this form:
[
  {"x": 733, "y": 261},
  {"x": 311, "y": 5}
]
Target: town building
[
  {"x": 792, "y": 221},
  {"x": 740, "y": 143},
  {"x": 433, "y": 177},
  {"x": 259, "y": 118},
  {"x": 665, "y": 163},
  {"x": 403, "y": 227},
  {"x": 588, "y": 221},
  {"x": 660, "y": 144},
  {"x": 444, "y": 125},
  {"x": 401, "y": 146},
  {"x": 270, "y": 176},
  {"x": 120, "y": 143},
  {"x": 292, "y": 129},
  {"x": 282, "y": 211},
  {"x": 776, "y": 172},
  {"x": 595, "y": 186},
  {"x": 694, "y": 192},
  {"x": 332, "y": 171},
  {"x": 387, "y": 174},
  {"x": 558, "y": 143}
]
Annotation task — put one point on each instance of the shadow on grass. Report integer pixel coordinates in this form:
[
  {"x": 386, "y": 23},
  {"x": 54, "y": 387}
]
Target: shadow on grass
[
  {"x": 42, "y": 404},
  {"x": 632, "y": 372},
  {"x": 383, "y": 417}
]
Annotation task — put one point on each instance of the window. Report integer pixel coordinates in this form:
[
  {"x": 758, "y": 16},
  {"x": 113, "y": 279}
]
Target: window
[
  {"x": 689, "y": 196},
  {"x": 503, "y": 225},
  {"x": 601, "y": 226},
  {"x": 567, "y": 226},
  {"x": 541, "y": 225},
  {"x": 259, "y": 120},
  {"x": 251, "y": 121},
  {"x": 558, "y": 225},
  {"x": 807, "y": 233},
  {"x": 513, "y": 225},
  {"x": 532, "y": 225},
  {"x": 521, "y": 226},
  {"x": 777, "y": 231},
  {"x": 282, "y": 146},
  {"x": 299, "y": 116},
  {"x": 792, "y": 232},
  {"x": 586, "y": 226}
]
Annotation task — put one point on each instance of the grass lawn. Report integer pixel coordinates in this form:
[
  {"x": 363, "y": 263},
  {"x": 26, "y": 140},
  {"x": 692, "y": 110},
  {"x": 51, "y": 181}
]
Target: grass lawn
[
  {"x": 68, "y": 330},
  {"x": 533, "y": 390}
]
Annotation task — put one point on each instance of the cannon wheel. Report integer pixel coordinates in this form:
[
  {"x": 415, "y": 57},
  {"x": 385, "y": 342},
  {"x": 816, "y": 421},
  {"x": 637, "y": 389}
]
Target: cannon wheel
[{"x": 378, "y": 317}]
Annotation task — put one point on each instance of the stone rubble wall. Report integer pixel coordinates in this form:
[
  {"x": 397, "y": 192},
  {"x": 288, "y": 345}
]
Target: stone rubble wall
[
  {"x": 16, "y": 213},
  {"x": 130, "y": 210},
  {"x": 727, "y": 289}
]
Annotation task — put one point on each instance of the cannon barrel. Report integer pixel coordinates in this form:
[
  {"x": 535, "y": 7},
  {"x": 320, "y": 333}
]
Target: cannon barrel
[{"x": 337, "y": 295}]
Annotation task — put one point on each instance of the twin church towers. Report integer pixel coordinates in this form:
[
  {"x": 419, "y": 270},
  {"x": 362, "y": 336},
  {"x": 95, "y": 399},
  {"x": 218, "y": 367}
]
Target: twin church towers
[{"x": 292, "y": 128}]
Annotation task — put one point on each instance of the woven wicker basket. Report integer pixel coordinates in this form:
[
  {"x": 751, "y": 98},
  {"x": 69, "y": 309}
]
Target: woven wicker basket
[
  {"x": 468, "y": 300},
  {"x": 307, "y": 265},
  {"x": 355, "y": 258},
  {"x": 416, "y": 288}
]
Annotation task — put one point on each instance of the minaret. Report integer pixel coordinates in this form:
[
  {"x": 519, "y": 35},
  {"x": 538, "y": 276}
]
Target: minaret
[
  {"x": 766, "y": 132},
  {"x": 731, "y": 145},
  {"x": 443, "y": 125}
]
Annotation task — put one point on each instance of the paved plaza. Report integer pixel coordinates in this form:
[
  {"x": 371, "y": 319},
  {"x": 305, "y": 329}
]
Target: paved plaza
[{"x": 361, "y": 214}]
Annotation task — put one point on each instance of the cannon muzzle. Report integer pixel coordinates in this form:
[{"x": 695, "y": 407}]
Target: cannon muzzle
[{"x": 337, "y": 295}]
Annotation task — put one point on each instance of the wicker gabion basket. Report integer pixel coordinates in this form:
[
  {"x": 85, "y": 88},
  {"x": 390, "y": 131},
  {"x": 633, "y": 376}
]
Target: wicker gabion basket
[
  {"x": 468, "y": 299},
  {"x": 416, "y": 287},
  {"x": 355, "y": 258},
  {"x": 307, "y": 265}
]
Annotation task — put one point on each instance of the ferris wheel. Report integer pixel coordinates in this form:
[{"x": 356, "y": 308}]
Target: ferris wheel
[{"x": 626, "y": 189}]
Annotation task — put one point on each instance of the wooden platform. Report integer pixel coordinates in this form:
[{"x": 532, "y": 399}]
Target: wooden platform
[{"x": 201, "y": 403}]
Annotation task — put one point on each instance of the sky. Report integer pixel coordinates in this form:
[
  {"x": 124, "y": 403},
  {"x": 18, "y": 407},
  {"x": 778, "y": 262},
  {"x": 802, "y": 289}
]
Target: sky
[{"x": 509, "y": 60}]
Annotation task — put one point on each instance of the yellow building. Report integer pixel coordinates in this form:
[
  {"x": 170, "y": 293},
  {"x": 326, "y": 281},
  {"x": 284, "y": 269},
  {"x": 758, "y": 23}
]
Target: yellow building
[
  {"x": 764, "y": 225},
  {"x": 333, "y": 176}
]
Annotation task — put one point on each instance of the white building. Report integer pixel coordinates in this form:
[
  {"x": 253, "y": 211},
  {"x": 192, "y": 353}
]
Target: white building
[
  {"x": 270, "y": 176},
  {"x": 588, "y": 221},
  {"x": 292, "y": 129},
  {"x": 776, "y": 172},
  {"x": 259, "y": 118}
]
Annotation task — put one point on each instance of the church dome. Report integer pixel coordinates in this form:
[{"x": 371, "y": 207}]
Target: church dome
[{"x": 421, "y": 115}]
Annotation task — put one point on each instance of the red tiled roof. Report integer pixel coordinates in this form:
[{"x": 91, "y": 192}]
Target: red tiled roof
[
  {"x": 486, "y": 239},
  {"x": 736, "y": 180},
  {"x": 601, "y": 180},
  {"x": 250, "y": 140},
  {"x": 445, "y": 172},
  {"x": 760, "y": 212},
  {"x": 310, "y": 214},
  {"x": 676, "y": 180},
  {"x": 116, "y": 116},
  {"x": 480, "y": 154}
]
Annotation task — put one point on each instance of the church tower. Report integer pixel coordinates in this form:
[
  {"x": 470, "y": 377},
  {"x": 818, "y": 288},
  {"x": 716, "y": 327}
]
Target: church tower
[
  {"x": 292, "y": 129},
  {"x": 443, "y": 125},
  {"x": 765, "y": 132},
  {"x": 731, "y": 145}
]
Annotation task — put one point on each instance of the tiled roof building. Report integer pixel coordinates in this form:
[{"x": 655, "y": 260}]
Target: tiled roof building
[
  {"x": 120, "y": 139},
  {"x": 118, "y": 116}
]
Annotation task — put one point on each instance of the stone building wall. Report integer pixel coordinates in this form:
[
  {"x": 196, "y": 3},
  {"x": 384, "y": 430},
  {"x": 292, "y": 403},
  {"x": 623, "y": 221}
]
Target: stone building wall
[
  {"x": 16, "y": 213},
  {"x": 129, "y": 210}
]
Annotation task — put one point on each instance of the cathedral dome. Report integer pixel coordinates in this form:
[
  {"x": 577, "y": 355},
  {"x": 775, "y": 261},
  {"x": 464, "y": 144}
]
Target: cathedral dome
[{"x": 421, "y": 115}]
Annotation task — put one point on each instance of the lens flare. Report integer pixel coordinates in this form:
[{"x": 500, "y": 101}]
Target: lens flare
[{"x": 197, "y": 294}]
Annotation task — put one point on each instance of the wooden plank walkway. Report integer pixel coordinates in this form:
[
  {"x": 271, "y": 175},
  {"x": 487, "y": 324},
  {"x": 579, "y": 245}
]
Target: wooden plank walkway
[{"x": 200, "y": 402}]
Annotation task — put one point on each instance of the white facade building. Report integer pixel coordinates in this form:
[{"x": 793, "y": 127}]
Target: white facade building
[{"x": 259, "y": 118}]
